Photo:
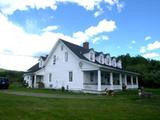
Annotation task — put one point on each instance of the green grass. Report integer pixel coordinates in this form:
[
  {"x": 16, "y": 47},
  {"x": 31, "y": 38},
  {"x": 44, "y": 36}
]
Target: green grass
[{"x": 123, "y": 106}]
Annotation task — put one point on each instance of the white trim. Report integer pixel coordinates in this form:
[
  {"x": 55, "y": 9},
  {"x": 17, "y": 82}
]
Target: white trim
[{"x": 99, "y": 80}]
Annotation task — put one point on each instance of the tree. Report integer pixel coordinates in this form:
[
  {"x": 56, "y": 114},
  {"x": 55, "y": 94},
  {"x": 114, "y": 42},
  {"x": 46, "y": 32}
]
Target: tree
[{"x": 149, "y": 69}]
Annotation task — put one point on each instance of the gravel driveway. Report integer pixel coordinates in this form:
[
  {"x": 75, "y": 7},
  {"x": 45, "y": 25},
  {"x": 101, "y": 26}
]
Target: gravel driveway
[{"x": 46, "y": 95}]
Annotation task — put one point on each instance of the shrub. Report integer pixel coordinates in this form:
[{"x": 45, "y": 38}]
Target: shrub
[
  {"x": 40, "y": 85},
  {"x": 63, "y": 88},
  {"x": 25, "y": 84}
]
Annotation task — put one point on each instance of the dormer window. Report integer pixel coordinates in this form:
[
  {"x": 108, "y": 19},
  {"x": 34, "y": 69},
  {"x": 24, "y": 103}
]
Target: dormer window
[
  {"x": 101, "y": 58},
  {"x": 114, "y": 62},
  {"x": 54, "y": 59},
  {"x": 119, "y": 64},
  {"x": 107, "y": 60},
  {"x": 91, "y": 56},
  {"x": 40, "y": 63}
]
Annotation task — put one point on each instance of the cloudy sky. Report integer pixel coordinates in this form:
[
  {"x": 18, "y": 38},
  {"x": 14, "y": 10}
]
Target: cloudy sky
[{"x": 30, "y": 28}]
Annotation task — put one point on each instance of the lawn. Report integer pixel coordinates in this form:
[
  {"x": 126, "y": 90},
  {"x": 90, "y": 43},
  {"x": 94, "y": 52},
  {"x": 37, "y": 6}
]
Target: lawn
[{"x": 123, "y": 106}]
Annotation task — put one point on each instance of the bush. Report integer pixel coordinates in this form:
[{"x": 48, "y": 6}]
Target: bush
[
  {"x": 40, "y": 85},
  {"x": 25, "y": 84},
  {"x": 63, "y": 88}
]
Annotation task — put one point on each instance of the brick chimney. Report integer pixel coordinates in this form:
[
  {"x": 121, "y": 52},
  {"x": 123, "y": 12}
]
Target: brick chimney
[{"x": 86, "y": 45}]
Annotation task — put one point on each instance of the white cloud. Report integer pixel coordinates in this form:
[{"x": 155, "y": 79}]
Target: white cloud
[
  {"x": 19, "y": 63},
  {"x": 17, "y": 45},
  {"x": 96, "y": 39},
  {"x": 94, "y": 32},
  {"x": 10, "y": 6},
  {"x": 100, "y": 38},
  {"x": 119, "y": 5},
  {"x": 50, "y": 28},
  {"x": 98, "y": 13},
  {"x": 151, "y": 55},
  {"x": 103, "y": 26},
  {"x": 105, "y": 37},
  {"x": 153, "y": 46},
  {"x": 142, "y": 50},
  {"x": 133, "y": 41},
  {"x": 148, "y": 38},
  {"x": 150, "y": 47}
]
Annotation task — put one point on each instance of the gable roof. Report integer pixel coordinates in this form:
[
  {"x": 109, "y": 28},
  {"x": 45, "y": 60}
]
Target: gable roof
[
  {"x": 44, "y": 58},
  {"x": 36, "y": 67},
  {"x": 78, "y": 51}
]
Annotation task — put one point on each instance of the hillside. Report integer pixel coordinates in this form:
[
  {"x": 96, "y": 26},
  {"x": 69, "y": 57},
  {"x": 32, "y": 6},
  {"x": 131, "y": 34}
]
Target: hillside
[{"x": 15, "y": 76}]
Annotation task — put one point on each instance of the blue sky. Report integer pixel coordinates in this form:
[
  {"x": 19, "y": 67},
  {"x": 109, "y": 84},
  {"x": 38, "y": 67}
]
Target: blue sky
[{"x": 31, "y": 28}]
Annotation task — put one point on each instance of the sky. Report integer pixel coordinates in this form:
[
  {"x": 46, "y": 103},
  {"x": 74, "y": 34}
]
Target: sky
[{"x": 30, "y": 28}]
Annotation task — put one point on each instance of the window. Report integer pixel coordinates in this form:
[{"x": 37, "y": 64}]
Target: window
[
  {"x": 114, "y": 62},
  {"x": 101, "y": 57},
  {"x": 66, "y": 56},
  {"x": 50, "y": 85},
  {"x": 61, "y": 47},
  {"x": 70, "y": 76},
  {"x": 128, "y": 80},
  {"x": 54, "y": 59},
  {"x": 134, "y": 80},
  {"x": 50, "y": 77},
  {"x": 91, "y": 56},
  {"x": 116, "y": 79},
  {"x": 91, "y": 76}
]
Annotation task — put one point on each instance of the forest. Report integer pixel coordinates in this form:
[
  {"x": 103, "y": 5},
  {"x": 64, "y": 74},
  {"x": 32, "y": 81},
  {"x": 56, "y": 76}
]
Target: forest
[{"x": 148, "y": 68}]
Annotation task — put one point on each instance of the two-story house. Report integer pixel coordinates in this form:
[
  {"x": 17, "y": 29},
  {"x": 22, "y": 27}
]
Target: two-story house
[{"x": 80, "y": 68}]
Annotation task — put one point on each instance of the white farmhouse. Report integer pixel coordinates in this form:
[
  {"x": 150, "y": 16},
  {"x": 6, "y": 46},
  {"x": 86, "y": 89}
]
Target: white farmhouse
[{"x": 80, "y": 69}]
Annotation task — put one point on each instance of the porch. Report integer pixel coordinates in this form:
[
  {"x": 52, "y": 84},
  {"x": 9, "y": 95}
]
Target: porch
[
  {"x": 33, "y": 80},
  {"x": 99, "y": 80},
  {"x": 38, "y": 79}
]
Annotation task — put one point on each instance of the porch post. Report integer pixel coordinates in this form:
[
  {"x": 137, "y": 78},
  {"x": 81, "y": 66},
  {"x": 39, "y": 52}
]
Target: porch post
[
  {"x": 125, "y": 79},
  {"x": 120, "y": 79},
  {"x": 137, "y": 80},
  {"x": 111, "y": 81},
  {"x": 99, "y": 80},
  {"x": 35, "y": 81},
  {"x": 132, "y": 81}
]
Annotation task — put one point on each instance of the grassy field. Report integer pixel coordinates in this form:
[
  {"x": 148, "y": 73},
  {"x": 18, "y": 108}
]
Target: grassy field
[{"x": 123, "y": 106}]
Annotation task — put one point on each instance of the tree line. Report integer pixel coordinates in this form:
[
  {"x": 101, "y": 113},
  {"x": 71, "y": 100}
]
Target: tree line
[
  {"x": 13, "y": 76},
  {"x": 148, "y": 68}
]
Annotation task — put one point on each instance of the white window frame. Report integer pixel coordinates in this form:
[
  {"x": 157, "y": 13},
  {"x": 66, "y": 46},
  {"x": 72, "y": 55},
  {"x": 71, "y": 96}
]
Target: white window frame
[
  {"x": 50, "y": 77},
  {"x": 66, "y": 56},
  {"x": 70, "y": 76},
  {"x": 54, "y": 59}
]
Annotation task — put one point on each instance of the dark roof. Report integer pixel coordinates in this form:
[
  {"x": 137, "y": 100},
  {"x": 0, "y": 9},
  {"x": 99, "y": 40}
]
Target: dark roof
[
  {"x": 34, "y": 68},
  {"x": 44, "y": 58},
  {"x": 77, "y": 50},
  {"x": 98, "y": 53}
]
